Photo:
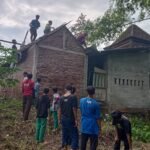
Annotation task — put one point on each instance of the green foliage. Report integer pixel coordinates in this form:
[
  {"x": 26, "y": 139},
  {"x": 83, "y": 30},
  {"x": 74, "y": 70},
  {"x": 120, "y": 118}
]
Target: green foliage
[
  {"x": 108, "y": 27},
  {"x": 139, "y": 7},
  {"x": 80, "y": 24},
  {"x": 16, "y": 134},
  {"x": 7, "y": 57},
  {"x": 83, "y": 25},
  {"x": 102, "y": 29},
  {"x": 140, "y": 129},
  {"x": 11, "y": 105}
]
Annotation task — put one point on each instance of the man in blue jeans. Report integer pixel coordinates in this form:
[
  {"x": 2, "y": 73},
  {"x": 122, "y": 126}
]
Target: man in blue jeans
[
  {"x": 75, "y": 134},
  {"x": 68, "y": 119},
  {"x": 90, "y": 120},
  {"x": 34, "y": 25}
]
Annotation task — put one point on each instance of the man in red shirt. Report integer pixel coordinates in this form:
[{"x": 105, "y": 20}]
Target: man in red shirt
[{"x": 27, "y": 90}]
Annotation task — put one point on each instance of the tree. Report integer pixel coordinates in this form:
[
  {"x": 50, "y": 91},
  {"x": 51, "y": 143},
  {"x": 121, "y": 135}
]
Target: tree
[
  {"x": 82, "y": 25},
  {"x": 8, "y": 60},
  {"x": 139, "y": 7},
  {"x": 108, "y": 27}
]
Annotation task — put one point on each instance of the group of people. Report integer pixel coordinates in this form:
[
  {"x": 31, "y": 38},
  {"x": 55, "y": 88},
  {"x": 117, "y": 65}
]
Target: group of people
[
  {"x": 64, "y": 108},
  {"x": 35, "y": 24}
]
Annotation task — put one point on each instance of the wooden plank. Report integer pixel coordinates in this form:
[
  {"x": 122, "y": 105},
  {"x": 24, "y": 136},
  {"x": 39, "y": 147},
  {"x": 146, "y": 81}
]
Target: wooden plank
[{"x": 9, "y": 42}]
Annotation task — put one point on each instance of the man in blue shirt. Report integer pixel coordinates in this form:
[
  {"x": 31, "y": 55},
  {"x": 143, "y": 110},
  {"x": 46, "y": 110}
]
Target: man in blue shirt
[
  {"x": 34, "y": 25},
  {"x": 90, "y": 120}
]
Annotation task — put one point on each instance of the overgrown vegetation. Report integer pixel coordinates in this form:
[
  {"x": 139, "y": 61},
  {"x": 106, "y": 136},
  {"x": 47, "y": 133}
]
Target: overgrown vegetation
[
  {"x": 8, "y": 60},
  {"x": 19, "y": 135},
  {"x": 119, "y": 15},
  {"x": 15, "y": 134},
  {"x": 141, "y": 129}
]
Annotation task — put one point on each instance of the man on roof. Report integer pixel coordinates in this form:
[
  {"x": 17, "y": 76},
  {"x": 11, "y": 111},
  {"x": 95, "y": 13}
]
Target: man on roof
[
  {"x": 16, "y": 52},
  {"x": 14, "y": 44},
  {"x": 48, "y": 27},
  {"x": 34, "y": 25},
  {"x": 82, "y": 39}
]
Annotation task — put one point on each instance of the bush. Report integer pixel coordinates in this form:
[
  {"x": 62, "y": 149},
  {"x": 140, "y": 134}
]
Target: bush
[{"x": 140, "y": 129}]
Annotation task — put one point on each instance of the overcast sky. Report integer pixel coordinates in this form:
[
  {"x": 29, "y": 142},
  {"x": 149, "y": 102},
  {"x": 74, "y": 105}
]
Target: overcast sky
[{"x": 16, "y": 15}]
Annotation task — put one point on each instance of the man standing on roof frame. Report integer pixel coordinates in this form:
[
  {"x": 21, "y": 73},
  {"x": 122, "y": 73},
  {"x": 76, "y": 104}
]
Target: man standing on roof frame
[{"x": 34, "y": 25}]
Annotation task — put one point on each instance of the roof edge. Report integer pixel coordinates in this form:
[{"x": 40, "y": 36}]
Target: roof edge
[{"x": 122, "y": 50}]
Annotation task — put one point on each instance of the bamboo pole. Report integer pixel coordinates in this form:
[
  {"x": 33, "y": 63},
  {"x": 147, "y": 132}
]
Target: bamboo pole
[{"x": 9, "y": 42}]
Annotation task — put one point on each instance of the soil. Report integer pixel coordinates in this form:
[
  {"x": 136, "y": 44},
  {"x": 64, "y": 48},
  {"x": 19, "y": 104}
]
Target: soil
[{"x": 19, "y": 135}]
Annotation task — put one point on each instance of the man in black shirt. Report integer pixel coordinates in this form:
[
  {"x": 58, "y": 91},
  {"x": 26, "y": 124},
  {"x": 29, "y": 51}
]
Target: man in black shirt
[
  {"x": 123, "y": 130},
  {"x": 42, "y": 107},
  {"x": 68, "y": 117},
  {"x": 75, "y": 132}
]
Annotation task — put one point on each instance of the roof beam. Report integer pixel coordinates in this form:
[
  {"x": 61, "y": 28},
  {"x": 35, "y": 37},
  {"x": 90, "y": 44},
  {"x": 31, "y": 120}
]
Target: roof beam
[
  {"x": 10, "y": 42},
  {"x": 61, "y": 49}
]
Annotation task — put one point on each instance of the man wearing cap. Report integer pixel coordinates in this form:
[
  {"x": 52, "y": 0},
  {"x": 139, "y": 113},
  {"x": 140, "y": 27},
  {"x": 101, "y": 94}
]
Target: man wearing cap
[
  {"x": 123, "y": 130},
  {"x": 34, "y": 25}
]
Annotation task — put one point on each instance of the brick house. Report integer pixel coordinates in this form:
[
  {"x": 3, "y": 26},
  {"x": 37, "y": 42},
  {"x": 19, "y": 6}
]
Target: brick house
[
  {"x": 121, "y": 73},
  {"x": 58, "y": 59}
]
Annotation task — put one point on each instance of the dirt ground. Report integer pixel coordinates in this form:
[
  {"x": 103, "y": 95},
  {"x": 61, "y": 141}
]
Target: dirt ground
[{"x": 16, "y": 134}]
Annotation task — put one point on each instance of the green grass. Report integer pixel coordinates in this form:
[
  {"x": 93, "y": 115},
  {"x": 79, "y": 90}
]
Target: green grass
[
  {"x": 15, "y": 134},
  {"x": 10, "y": 104},
  {"x": 141, "y": 129}
]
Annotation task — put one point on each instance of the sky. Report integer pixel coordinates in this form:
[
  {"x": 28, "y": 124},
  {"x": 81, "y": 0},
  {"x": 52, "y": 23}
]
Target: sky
[{"x": 16, "y": 15}]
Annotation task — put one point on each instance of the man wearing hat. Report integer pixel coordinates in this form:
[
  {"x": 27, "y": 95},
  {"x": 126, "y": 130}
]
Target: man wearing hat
[
  {"x": 123, "y": 130},
  {"x": 34, "y": 25}
]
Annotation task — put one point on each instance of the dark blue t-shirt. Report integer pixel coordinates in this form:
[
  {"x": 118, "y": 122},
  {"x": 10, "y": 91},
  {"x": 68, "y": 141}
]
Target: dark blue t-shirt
[
  {"x": 90, "y": 113},
  {"x": 35, "y": 24}
]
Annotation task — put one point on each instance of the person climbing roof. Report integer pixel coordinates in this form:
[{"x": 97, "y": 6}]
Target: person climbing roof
[
  {"x": 81, "y": 38},
  {"x": 14, "y": 44},
  {"x": 48, "y": 27}
]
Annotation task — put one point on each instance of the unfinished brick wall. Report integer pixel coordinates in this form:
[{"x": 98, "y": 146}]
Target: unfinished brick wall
[
  {"x": 55, "y": 40},
  {"x": 57, "y": 68},
  {"x": 60, "y": 62}
]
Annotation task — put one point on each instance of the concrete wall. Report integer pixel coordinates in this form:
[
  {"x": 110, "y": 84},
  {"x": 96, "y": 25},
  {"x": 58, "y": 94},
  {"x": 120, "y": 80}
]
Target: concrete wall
[{"x": 129, "y": 80}]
